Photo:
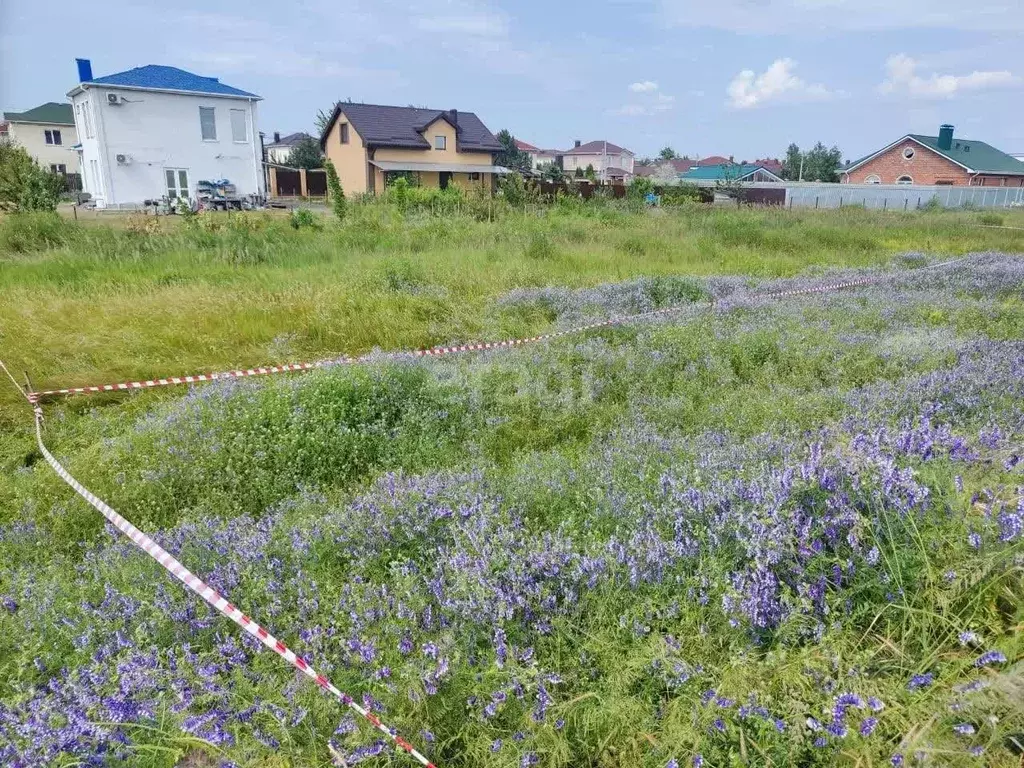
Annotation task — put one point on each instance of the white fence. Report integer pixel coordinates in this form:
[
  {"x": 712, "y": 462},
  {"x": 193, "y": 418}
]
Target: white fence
[{"x": 900, "y": 197}]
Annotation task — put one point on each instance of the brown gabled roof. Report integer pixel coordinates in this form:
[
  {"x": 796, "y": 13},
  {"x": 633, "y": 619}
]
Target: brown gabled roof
[
  {"x": 596, "y": 148},
  {"x": 386, "y": 126},
  {"x": 713, "y": 160},
  {"x": 525, "y": 147}
]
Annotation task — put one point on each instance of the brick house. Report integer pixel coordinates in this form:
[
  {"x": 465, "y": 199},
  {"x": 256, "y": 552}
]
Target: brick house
[{"x": 937, "y": 160}]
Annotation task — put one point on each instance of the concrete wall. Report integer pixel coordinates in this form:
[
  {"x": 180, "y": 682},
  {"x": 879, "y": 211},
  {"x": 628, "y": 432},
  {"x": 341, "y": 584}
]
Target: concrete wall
[
  {"x": 32, "y": 137},
  {"x": 350, "y": 160},
  {"x": 160, "y": 131}
]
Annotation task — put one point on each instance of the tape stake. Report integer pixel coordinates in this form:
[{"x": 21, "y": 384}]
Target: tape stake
[{"x": 210, "y": 595}]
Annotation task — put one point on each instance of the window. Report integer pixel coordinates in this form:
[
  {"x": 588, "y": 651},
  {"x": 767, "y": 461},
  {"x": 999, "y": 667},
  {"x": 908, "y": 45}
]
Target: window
[
  {"x": 58, "y": 168},
  {"x": 943, "y": 183},
  {"x": 239, "y": 133},
  {"x": 96, "y": 178},
  {"x": 52, "y": 137},
  {"x": 473, "y": 176},
  {"x": 440, "y": 142},
  {"x": 343, "y": 132},
  {"x": 177, "y": 182},
  {"x": 208, "y": 123},
  {"x": 87, "y": 118},
  {"x": 908, "y": 152},
  {"x": 873, "y": 179},
  {"x": 905, "y": 180}
]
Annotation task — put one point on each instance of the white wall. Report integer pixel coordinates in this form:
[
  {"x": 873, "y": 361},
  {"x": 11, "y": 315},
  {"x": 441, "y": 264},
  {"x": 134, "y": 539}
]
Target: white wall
[
  {"x": 279, "y": 154},
  {"x": 161, "y": 131},
  {"x": 32, "y": 137}
]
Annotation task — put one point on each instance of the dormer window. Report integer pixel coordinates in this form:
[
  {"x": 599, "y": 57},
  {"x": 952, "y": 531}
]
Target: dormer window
[{"x": 440, "y": 142}]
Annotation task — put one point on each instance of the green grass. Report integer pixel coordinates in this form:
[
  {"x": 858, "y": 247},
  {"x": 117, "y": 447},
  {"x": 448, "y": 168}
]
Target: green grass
[{"x": 95, "y": 304}]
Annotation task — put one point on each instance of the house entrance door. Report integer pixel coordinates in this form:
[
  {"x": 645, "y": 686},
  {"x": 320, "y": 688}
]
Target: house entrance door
[{"x": 443, "y": 178}]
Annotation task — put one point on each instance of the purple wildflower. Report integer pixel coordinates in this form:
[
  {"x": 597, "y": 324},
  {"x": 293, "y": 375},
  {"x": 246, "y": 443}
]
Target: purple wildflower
[
  {"x": 969, "y": 638},
  {"x": 963, "y": 729},
  {"x": 918, "y": 682},
  {"x": 896, "y": 760},
  {"x": 990, "y": 657},
  {"x": 867, "y": 725}
]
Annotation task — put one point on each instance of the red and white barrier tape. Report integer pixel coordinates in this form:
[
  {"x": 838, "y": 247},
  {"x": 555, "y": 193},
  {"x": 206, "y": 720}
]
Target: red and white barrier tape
[
  {"x": 431, "y": 352},
  {"x": 210, "y": 595}
]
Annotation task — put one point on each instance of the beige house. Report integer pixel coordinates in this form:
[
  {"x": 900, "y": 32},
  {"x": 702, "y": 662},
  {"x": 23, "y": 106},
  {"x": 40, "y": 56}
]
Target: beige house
[
  {"x": 611, "y": 162},
  {"x": 370, "y": 145},
  {"x": 47, "y": 133}
]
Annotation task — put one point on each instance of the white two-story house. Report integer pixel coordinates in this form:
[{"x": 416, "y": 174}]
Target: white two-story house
[
  {"x": 611, "y": 162},
  {"x": 157, "y": 131}
]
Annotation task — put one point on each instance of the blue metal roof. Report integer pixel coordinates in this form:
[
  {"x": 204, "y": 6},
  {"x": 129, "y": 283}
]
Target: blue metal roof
[{"x": 157, "y": 77}]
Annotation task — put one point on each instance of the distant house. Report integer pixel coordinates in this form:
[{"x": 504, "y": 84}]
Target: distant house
[
  {"x": 538, "y": 157},
  {"x": 729, "y": 172},
  {"x": 611, "y": 162},
  {"x": 714, "y": 160},
  {"x": 157, "y": 131},
  {"x": 47, "y": 133},
  {"x": 942, "y": 160},
  {"x": 280, "y": 149},
  {"x": 771, "y": 164},
  {"x": 371, "y": 144}
]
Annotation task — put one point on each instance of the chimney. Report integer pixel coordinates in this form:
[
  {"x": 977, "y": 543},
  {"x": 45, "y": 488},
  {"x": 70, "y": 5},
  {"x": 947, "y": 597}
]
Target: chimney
[
  {"x": 578, "y": 142},
  {"x": 453, "y": 116},
  {"x": 946, "y": 136},
  {"x": 84, "y": 70},
  {"x": 277, "y": 137}
]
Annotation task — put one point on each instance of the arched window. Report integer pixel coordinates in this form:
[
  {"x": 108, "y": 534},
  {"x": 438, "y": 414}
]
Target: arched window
[
  {"x": 873, "y": 179},
  {"x": 906, "y": 180}
]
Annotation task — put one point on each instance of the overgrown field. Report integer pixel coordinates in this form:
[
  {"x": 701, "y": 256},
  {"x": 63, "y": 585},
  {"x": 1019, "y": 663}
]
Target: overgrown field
[{"x": 776, "y": 532}]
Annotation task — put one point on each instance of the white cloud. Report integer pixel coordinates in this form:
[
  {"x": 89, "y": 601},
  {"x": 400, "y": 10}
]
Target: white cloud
[
  {"x": 777, "y": 83},
  {"x": 654, "y": 101},
  {"x": 903, "y": 78},
  {"x": 761, "y": 17}
]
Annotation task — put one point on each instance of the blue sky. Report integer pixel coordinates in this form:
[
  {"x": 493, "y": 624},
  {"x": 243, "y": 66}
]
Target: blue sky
[{"x": 730, "y": 77}]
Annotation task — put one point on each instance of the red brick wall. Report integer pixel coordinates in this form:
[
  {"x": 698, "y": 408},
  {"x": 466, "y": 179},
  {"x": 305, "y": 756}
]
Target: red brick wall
[
  {"x": 925, "y": 167},
  {"x": 1000, "y": 181}
]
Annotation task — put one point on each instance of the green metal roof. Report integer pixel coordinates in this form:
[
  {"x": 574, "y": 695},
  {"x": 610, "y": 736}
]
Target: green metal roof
[
  {"x": 50, "y": 112},
  {"x": 731, "y": 172},
  {"x": 976, "y": 155}
]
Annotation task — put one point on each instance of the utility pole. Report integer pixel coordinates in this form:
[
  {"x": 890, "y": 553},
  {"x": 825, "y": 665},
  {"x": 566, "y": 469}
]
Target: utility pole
[{"x": 801, "y": 167}]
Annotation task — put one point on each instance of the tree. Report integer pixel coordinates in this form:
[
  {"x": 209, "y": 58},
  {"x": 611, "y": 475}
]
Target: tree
[
  {"x": 819, "y": 164},
  {"x": 24, "y": 186},
  {"x": 306, "y": 154},
  {"x": 511, "y": 156},
  {"x": 338, "y": 203},
  {"x": 667, "y": 153},
  {"x": 552, "y": 172},
  {"x": 791, "y": 165},
  {"x": 822, "y": 163},
  {"x": 579, "y": 173},
  {"x": 590, "y": 173}
]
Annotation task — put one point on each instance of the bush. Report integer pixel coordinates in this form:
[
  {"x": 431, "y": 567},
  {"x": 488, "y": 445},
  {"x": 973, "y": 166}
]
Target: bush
[
  {"x": 24, "y": 186},
  {"x": 991, "y": 219},
  {"x": 513, "y": 190},
  {"x": 338, "y": 203},
  {"x": 304, "y": 217},
  {"x": 540, "y": 247}
]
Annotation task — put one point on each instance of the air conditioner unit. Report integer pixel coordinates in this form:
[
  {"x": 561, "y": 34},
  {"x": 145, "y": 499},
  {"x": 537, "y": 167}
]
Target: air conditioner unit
[
  {"x": 123, "y": 159},
  {"x": 114, "y": 100}
]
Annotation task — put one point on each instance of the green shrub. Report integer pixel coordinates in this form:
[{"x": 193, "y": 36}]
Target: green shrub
[
  {"x": 513, "y": 190},
  {"x": 540, "y": 247},
  {"x": 991, "y": 219},
  {"x": 24, "y": 186},
  {"x": 304, "y": 217},
  {"x": 338, "y": 203}
]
